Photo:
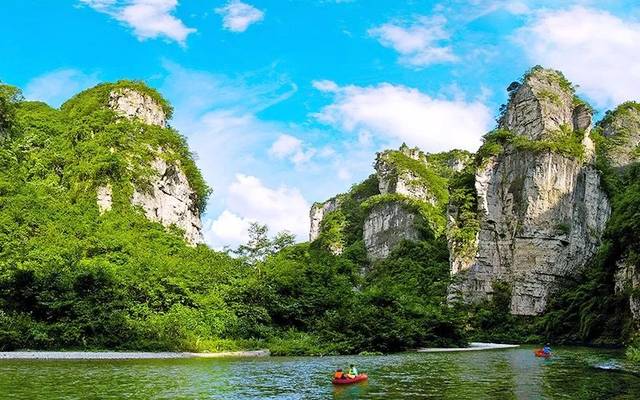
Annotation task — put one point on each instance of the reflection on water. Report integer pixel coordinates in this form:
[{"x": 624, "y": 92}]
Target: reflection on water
[{"x": 500, "y": 374}]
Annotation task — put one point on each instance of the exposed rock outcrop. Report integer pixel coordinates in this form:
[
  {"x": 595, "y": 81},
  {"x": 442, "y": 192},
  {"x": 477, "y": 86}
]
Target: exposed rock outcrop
[
  {"x": 541, "y": 213},
  {"x": 407, "y": 180},
  {"x": 317, "y": 213},
  {"x": 396, "y": 178},
  {"x": 104, "y": 198},
  {"x": 170, "y": 201},
  {"x": 167, "y": 197},
  {"x": 543, "y": 105},
  {"x": 131, "y": 103},
  {"x": 541, "y": 219},
  {"x": 385, "y": 226}
]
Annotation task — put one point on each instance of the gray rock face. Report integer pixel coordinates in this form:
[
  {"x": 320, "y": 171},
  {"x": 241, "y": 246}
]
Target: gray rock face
[
  {"x": 390, "y": 221},
  {"x": 582, "y": 118},
  {"x": 458, "y": 164},
  {"x": 541, "y": 219},
  {"x": 541, "y": 105},
  {"x": 317, "y": 213},
  {"x": 392, "y": 179},
  {"x": 133, "y": 104},
  {"x": 171, "y": 201},
  {"x": 541, "y": 214},
  {"x": 168, "y": 199},
  {"x": 387, "y": 225}
]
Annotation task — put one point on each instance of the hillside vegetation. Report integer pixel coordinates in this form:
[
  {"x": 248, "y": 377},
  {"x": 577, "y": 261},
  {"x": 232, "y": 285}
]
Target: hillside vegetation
[{"x": 73, "y": 277}]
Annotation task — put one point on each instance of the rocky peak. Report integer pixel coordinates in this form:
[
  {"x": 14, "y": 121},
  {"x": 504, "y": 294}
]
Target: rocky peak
[
  {"x": 167, "y": 195},
  {"x": 544, "y": 103},
  {"x": 403, "y": 172},
  {"x": 132, "y": 103},
  {"x": 541, "y": 209},
  {"x": 413, "y": 153}
]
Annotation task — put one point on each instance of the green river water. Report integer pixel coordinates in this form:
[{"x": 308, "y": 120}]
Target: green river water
[{"x": 574, "y": 373}]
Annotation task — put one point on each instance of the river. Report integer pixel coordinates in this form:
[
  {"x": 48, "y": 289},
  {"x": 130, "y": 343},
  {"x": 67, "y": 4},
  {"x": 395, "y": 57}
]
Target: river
[{"x": 573, "y": 373}]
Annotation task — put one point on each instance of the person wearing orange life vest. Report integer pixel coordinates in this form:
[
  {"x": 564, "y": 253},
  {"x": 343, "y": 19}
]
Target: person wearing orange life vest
[{"x": 339, "y": 374}]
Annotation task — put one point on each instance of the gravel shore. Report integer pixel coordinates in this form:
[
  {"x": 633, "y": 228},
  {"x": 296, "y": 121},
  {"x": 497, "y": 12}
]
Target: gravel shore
[
  {"x": 116, "y": 355},
  {"x": 473, "y": 346}
]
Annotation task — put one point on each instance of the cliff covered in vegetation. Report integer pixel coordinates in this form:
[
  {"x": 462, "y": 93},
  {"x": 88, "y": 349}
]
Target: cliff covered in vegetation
[
  {"x": 533, "y": 220},
  {"x": 534, "y": 237}
]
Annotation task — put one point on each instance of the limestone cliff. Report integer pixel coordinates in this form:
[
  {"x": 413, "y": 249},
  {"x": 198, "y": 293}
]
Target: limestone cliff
[
  {"x": 386, "y": 225},
  {"x": 408, "y": 184},
  {"x": 396, "y": 175},
  {"x": 317, "y": 213},
  {"x": 540, "y": 205},
  {"x": 170, "y": 200},
  {"x": 165, "y": 194},
  {"x": 409, "y": 189}
]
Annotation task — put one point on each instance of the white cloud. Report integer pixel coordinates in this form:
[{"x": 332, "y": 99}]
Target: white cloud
[
  {"x": 238, "y": 16},
  {"x": 399, "y": 113},
  {"x": 228, "y": 229},
  {"x": 148, "y": 18},
  {"x": 57, "y": 86},
  {"x": 325, "y": 85},
  {"x": 249, "y": 200},
  {"x": 287, "y": 146},
  {"x": 595, "y": 49},
  {"x": 420, "y": 43}
]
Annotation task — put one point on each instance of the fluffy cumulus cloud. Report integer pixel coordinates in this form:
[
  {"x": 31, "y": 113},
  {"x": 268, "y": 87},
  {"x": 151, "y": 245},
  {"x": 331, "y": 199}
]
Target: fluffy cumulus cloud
[
  {"x": 149, "y": 19},
  {"x": 595, "y": 49},
  {"x": 57, "y": 86},
  {"x": 403, "y": 114},
  {"x": 419, "y": 43},
  {"x": 287, "y": 146},
  {"x": 250, "y": 200},
  {"x": 238, "y": 16}
]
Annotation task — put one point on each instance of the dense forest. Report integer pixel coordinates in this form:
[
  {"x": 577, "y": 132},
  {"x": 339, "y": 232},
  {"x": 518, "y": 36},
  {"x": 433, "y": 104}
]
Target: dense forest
[{"x": 72, "y": 277}]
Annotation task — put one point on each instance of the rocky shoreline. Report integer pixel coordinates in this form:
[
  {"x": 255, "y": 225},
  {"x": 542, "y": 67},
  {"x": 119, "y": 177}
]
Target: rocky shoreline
[{"x": 116, "y": 355}]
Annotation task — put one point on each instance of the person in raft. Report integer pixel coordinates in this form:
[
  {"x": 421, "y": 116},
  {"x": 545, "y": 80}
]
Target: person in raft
[
  {"x": 353, "y": 372},
  {"x": 339, "y": 374},
  {"x": 547, "y": 349}
]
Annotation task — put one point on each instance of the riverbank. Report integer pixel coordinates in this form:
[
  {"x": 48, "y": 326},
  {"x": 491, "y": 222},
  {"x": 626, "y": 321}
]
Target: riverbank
[
  {"x": 136, "y": 355},
  {"x": 473, "y": 346},
  {"x": 116, "y": 355}
]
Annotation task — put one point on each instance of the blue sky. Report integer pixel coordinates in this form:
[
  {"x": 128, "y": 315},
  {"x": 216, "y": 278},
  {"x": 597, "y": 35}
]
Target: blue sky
[{"x": 286, "y": 102}]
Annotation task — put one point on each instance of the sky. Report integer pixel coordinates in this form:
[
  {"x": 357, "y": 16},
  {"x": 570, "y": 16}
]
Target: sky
[{"x": 286, "y": 102}]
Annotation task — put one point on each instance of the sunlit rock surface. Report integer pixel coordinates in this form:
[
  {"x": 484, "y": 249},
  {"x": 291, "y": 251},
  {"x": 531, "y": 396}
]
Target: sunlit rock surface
[
  {"x": 541, "y": 214},
  {"x": 130, "y": 103}
]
